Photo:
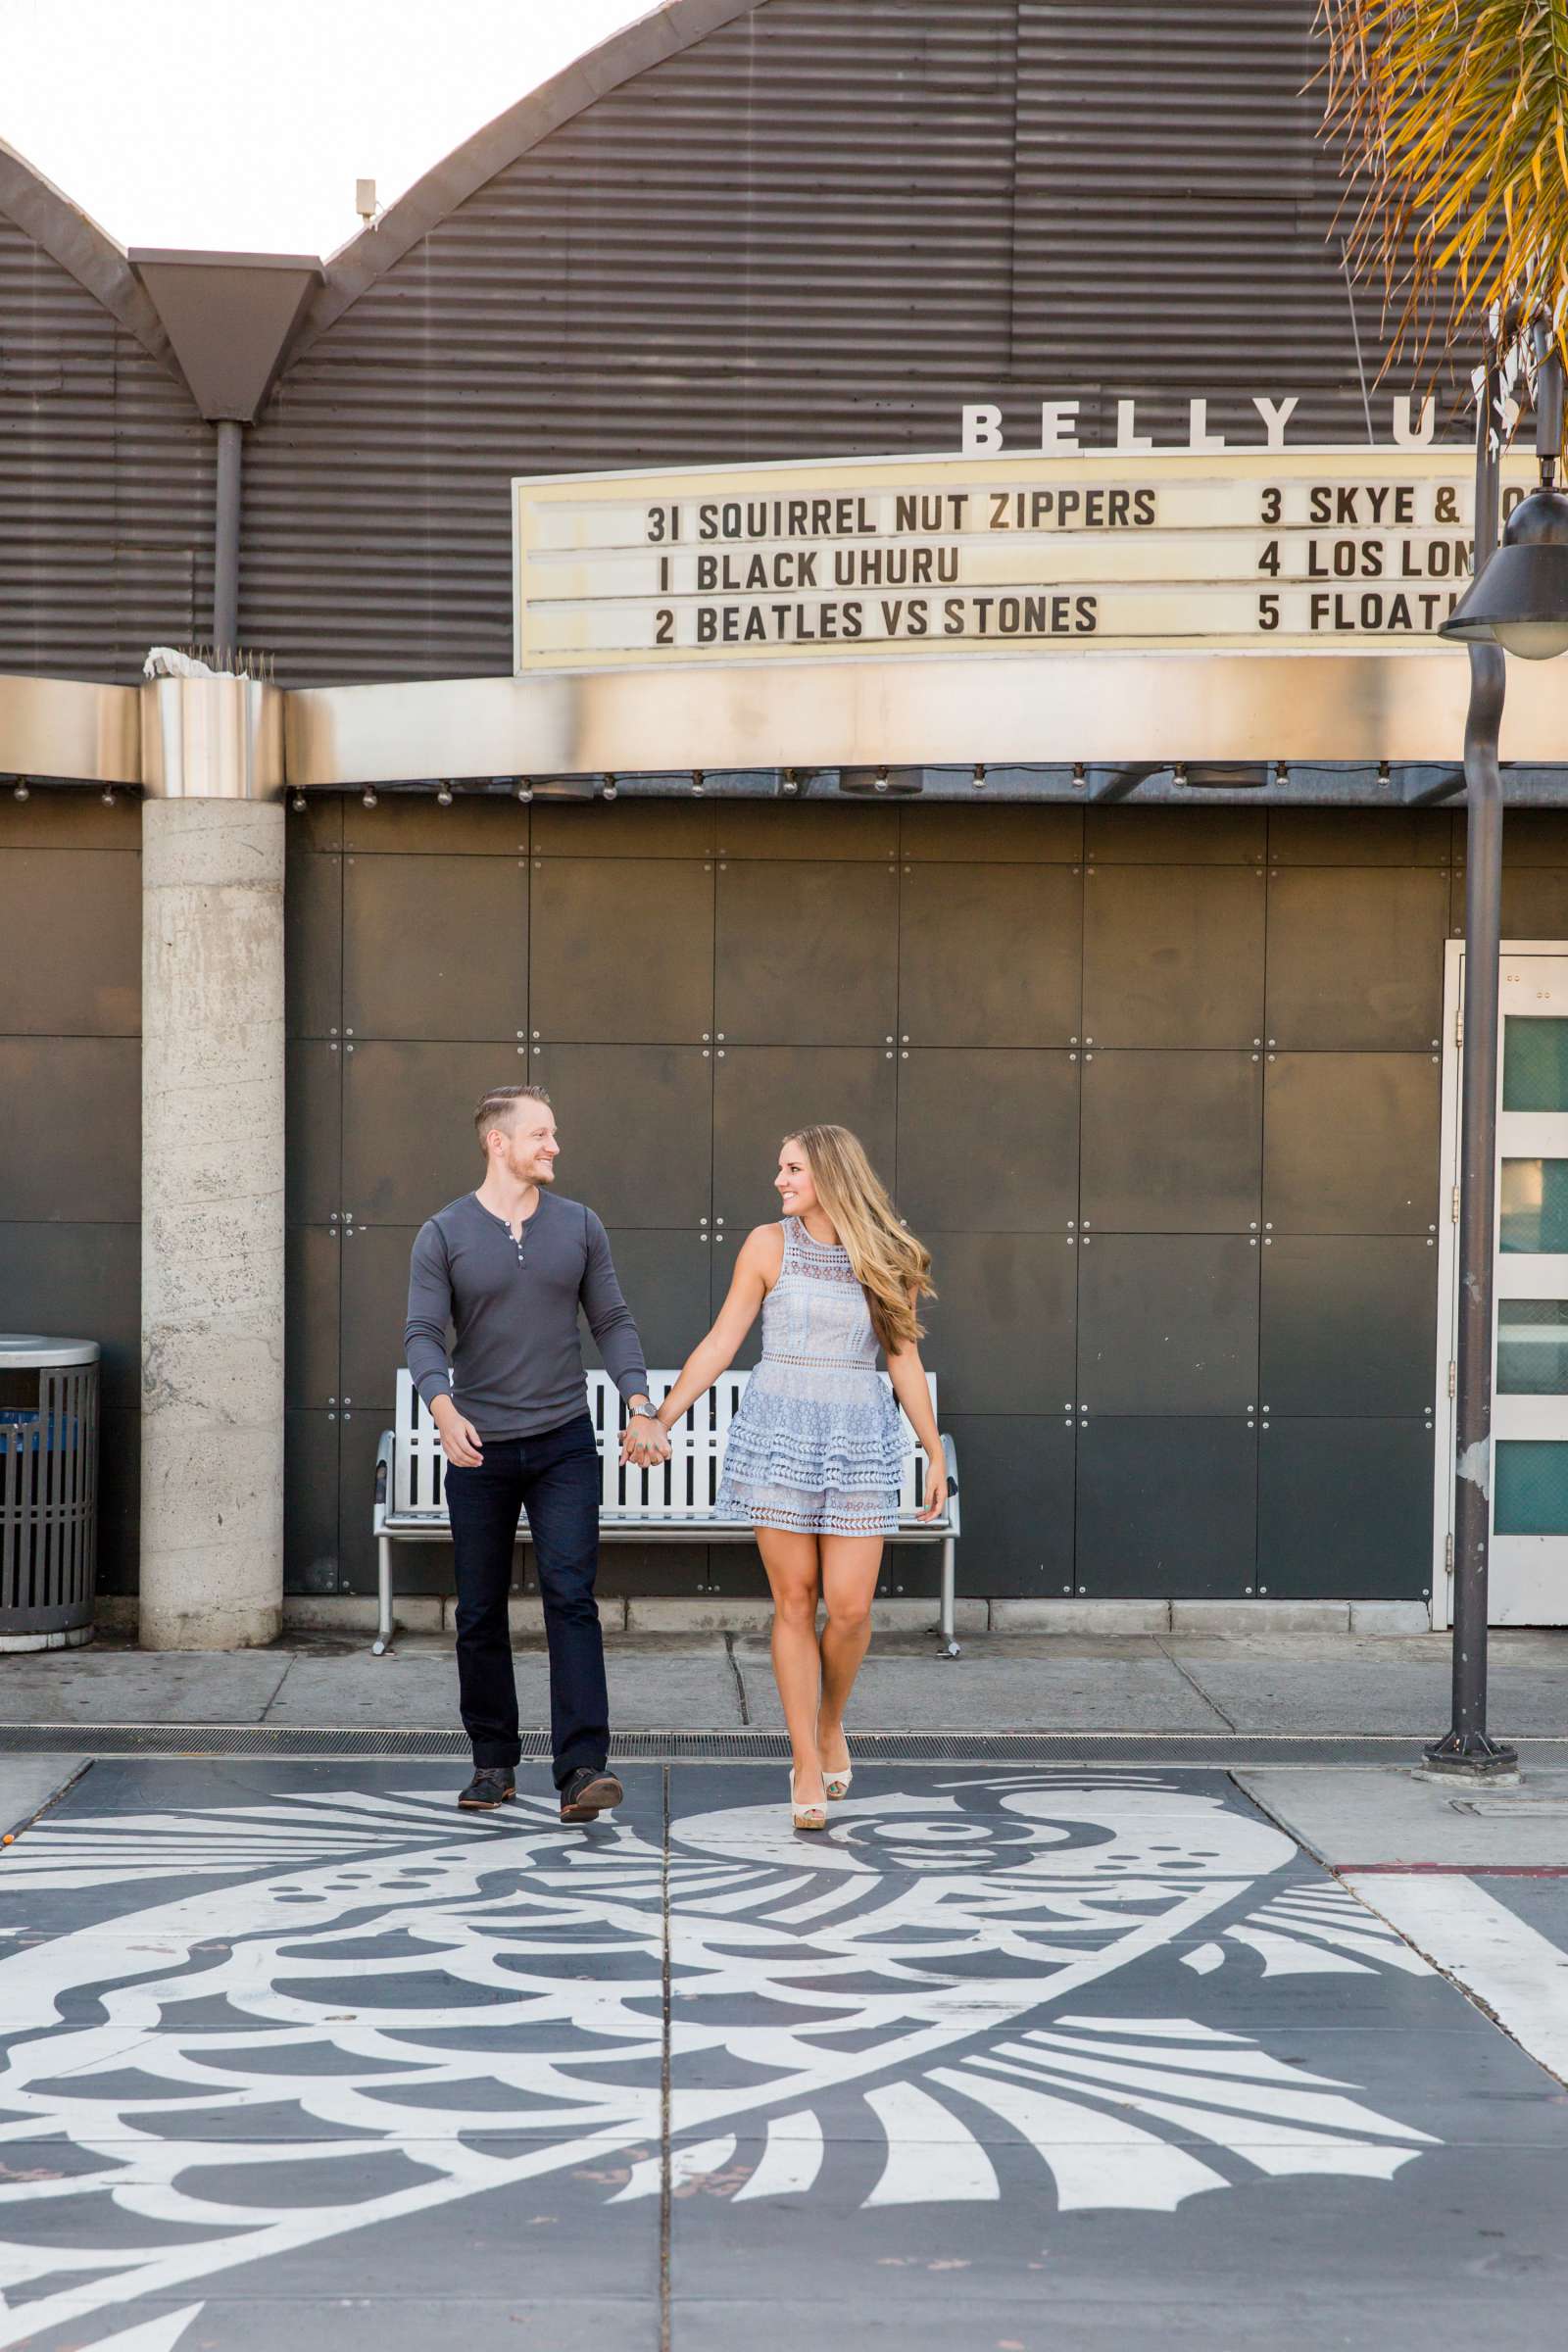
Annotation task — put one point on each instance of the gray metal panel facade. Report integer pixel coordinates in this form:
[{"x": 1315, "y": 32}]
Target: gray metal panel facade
[
  {"x": 1158, "y": 1261},
  {"x": 104, "y": 482},
  {"x": 815, "y": 232}
]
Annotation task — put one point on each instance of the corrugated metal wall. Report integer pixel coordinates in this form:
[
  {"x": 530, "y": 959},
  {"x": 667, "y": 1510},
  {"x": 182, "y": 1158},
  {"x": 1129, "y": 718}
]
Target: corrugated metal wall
[
  {"x": 815, "y": 232},
  {"x": 104, "y": 482}
]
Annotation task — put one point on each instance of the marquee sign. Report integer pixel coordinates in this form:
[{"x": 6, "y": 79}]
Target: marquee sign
[{"x": 1179, "y": 551}]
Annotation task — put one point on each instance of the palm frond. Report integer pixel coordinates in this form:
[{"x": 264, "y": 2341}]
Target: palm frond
[{"x": 1453, "y": 121}]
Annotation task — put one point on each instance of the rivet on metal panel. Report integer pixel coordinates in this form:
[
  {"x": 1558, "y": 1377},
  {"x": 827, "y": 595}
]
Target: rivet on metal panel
[
  {"x": 1251, "y": 1245},
  {"x": 887, "y": 1057},
  {"x": 1267, "y": 1244},
  {"x": 904, "y": 1037},
  {"x": 1071, "y": 1222},
  {"x": 1255, "y": 1056},
  {"x": 332, "y": 1033},
  {"x": 332, "y": 1401},
  {"x": 720, "y": 1034},
  {"x": 720, "y": 1052},
  {"x": 537, "y": 1033},
  {"x": 1271, "y": 1041},
  {"x": 1089, "y": 1058},
  {"x": 333, "y": 1216},
  {"x": 887, "y": 1041},
  {"x": 331, "y": 1048},
  {"x": 348, "y": 1033},
  {"x": 1088, "y": 1221},
  {"x": 520, "y": 1033},
  {"x": 1431, "y": 1243},
  {"x": 1072, "y": 1058},
  {"x": 1072, "y": 1240},
  {"x": 348, "y": 1049},
  {"x": 1434, "y": 1057},
  {"x": 331, "y": 1416},
  {"x": 1273, "y": 1057},
  {"x": 537, "y": 1048},
  {"x": 904, "y": 1058},
  {"x": 523, "y": 1048},
  {"x": 1268, "y": 1224},
  {"x": 718, "y": 1220},
  {"x": 1252, "y": 1226},
  {"x": 1262, "y": 1588},
  {"x": 706, "y": 1052}
]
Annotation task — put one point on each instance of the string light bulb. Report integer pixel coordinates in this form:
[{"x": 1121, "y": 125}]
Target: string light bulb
[{"x": 368, "y": 796}]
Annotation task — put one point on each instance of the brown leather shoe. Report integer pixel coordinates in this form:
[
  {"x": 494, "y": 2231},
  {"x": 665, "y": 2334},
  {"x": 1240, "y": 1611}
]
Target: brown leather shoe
[
  {"x": 585, "y": 1793},
  {"x": 492, "y": 1785}
]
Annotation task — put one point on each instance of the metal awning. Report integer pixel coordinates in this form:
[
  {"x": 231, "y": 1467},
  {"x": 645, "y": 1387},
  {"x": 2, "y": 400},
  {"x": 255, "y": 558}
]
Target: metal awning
[{"x": 1377, "y": 727}]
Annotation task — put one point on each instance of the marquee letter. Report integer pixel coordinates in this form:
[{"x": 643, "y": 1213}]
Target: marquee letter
[
  {"x": 1057, "y": 421},
  {"x": 1199, "y": 437},
  {"x": 1275, "y": 415},
  {"x": 982, "y": 429},
  {"x": 1406, "y": 435},
  {"x": 1129, "y": 441}
]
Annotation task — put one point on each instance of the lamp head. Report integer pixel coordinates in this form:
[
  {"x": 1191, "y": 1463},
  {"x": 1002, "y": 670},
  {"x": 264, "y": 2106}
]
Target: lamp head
[{"x": 1520, "y": 599}]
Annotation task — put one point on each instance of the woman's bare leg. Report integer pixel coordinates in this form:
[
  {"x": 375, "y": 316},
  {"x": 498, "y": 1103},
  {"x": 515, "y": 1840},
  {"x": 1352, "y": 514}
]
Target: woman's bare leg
[
  {"x": 794, "y": 1572},
  {"x": 850, "y": 1568}
]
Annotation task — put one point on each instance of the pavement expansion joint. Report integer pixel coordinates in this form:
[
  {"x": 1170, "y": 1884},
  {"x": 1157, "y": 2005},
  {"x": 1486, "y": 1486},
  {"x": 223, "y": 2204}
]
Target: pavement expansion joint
[{"x": 748, "y": 1743}]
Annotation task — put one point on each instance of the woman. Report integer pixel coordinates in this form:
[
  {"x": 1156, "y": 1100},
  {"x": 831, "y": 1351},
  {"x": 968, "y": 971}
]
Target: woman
[{"x": 815, "y": 1452}]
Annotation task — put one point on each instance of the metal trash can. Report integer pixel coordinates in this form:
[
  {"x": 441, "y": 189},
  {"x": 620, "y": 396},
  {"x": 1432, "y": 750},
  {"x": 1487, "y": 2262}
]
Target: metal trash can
[{"x": 48, "y": 1491}]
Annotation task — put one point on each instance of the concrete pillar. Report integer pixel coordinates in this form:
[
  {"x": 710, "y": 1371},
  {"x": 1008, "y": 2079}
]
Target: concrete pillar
[{"x": 212, "y": 1354}]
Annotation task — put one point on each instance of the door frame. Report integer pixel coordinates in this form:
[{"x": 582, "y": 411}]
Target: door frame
[{"x": 1447, "y": 1323}]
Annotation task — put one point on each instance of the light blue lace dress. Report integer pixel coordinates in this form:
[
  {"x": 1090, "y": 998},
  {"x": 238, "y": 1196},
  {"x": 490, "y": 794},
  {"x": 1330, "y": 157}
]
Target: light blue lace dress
[{"x": 815, "y": 1445}]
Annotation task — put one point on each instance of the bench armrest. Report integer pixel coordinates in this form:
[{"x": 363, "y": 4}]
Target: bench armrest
[
  {"x": 383, "y": 1478},
  {"x": 950, "y": 1454}
]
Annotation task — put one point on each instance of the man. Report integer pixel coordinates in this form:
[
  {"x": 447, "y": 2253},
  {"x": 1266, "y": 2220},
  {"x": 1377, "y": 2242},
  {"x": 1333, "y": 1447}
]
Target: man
[{"x": 509, "y": 1267}]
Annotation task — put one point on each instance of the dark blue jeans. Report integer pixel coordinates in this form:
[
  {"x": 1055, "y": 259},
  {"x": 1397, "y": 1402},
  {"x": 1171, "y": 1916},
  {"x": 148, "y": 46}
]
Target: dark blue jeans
[{"x": 554, "y": 1476}]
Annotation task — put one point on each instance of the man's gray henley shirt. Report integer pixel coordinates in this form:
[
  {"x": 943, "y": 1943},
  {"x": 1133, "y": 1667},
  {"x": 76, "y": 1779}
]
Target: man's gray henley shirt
[{"x": 517, "y": 1363}]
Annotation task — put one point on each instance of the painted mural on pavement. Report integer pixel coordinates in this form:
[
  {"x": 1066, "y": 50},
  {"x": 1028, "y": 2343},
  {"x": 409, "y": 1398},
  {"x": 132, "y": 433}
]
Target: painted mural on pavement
[{"x": 355, "y": 2006}]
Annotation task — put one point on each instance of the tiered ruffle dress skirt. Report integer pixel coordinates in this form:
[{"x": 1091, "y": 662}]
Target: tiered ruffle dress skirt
[{"x": 816, "y": 1445}]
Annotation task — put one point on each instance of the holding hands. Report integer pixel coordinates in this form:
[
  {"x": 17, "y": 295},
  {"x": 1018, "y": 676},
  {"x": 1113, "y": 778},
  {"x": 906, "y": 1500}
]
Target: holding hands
[{"x": 643, "y": 1440}]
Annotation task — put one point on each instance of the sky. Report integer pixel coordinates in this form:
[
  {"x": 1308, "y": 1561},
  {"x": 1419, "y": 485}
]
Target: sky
[{"x": 244, "y": 126}]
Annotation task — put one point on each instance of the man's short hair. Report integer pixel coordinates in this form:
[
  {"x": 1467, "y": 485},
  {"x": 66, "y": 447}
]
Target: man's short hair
[{"x": 496, "y": 1108}]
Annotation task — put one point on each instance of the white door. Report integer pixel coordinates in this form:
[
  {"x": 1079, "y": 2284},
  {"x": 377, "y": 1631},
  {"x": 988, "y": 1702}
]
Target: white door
[{"x": 1530, "y": 1379}]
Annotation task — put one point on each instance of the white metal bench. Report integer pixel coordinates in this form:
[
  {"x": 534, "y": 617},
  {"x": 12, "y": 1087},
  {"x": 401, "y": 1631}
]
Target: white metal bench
[{"x": 671, "y": 1504}]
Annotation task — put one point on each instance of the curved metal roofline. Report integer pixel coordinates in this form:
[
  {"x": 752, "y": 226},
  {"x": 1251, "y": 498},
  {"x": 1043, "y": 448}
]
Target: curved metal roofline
[
  {"x": 670, "y": 27},
  {"x": 73, "y": 239}
]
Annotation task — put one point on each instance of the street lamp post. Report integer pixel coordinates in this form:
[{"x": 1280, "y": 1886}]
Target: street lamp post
[{"x": 1517, "y": 602}]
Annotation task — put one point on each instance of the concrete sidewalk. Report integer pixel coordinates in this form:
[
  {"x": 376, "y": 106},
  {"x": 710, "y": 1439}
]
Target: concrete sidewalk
[{"x": 1311, "y": 1685}]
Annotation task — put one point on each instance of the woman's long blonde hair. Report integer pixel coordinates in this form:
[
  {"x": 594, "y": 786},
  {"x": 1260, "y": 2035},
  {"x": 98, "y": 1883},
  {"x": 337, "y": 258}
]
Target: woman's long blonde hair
[{"x": 890, "y": 1266}]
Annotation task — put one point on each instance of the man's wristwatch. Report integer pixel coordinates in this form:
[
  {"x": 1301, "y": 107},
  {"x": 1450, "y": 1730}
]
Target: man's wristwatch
[{"x": 643, "y": 1412}]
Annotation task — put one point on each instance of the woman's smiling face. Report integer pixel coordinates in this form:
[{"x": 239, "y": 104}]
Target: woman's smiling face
[{"x": 796, "y": 1189}]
